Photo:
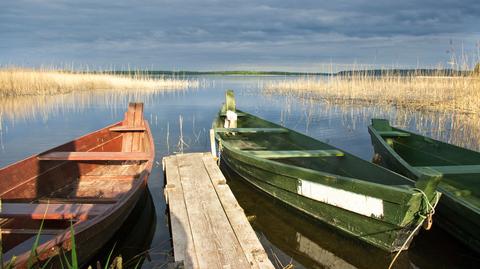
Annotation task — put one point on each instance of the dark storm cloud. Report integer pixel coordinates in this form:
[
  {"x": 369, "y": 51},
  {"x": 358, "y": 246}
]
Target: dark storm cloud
[{"x": 232, "y": 34}]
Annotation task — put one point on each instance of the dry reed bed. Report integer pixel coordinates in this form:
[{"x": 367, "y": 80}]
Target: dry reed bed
[
  {"x": 455, "y": 94},
  {"x": 16, "y": 82}
]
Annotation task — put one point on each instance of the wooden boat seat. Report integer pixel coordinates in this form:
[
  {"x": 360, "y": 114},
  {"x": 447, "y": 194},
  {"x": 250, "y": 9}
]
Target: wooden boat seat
[
  {"x": 52, "y": 211},
  {"x": 239, "y": 114},
  {"x": 278, "y": 154},
  {"x": 450, "y": 169},
  {"x": 32, "y": 231},
  {"x": 393, "y": 134},
  {"x": 127, "y": 129},
  {"x": 251, "y": 130},
  {"x": 94, "y": 156}
]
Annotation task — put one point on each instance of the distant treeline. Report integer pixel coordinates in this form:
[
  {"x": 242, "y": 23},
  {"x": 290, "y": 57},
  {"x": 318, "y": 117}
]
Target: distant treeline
[{"x": 372, "y": 72}]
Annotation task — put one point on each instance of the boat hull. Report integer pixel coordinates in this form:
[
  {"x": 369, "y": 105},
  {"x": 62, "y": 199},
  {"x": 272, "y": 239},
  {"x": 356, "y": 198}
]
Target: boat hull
[
  {"x": 453, "y": 215},
  {"x": 109, "y": 189},
  {"x": 381, "y": 234}
]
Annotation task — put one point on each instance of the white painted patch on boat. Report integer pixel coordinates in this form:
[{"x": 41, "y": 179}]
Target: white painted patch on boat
[
  {"x": 326, "y": 258},
  {"x": 358, "y": 203}
]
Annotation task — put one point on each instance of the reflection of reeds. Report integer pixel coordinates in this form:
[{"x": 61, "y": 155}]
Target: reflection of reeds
[
  {"x": 457, "y": 128},
  {"x": 14, "y": 82},
  {"x": 453, "y": 94}
]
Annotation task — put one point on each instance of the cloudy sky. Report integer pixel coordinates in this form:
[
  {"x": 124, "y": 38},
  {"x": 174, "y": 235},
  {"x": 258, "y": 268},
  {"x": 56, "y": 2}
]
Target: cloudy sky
[{"x": 232, "y": 35}]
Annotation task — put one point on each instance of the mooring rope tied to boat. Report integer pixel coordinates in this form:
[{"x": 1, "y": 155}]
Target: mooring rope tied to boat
[{"x": 429, "y": 214}]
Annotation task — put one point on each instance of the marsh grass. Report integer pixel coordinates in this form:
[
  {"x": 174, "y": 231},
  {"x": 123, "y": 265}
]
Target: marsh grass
[
  {"x": 427, "y": 93},
  {"x": 17, "y": 82}
]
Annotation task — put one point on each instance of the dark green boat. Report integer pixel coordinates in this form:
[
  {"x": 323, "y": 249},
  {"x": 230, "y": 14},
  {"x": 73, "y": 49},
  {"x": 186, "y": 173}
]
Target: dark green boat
[
  {"x": 355, "y": 196},
  {"x": 419, "y": 157}
]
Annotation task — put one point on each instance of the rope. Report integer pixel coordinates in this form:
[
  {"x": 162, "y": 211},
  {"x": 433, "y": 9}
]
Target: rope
[{"x": 430, "y": 210}]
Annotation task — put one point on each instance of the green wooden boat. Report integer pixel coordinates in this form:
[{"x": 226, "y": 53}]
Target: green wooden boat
[
  {"x": 419, "y": 157},
  {"x": 355, "y": 196}
]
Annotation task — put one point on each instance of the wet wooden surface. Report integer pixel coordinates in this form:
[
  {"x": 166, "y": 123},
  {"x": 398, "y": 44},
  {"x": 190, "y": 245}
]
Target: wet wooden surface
[{"x": 209, "y": 228}]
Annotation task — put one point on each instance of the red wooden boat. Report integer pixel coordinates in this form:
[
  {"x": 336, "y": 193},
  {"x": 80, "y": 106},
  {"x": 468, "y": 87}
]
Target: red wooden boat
[{"x": 91, "y": 184}]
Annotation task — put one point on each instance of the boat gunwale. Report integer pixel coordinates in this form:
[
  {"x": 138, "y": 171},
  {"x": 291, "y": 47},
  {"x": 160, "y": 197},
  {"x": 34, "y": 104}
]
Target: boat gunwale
[
  {"x": 416, "y": 172},
  {"x": 391, "y": 151}
]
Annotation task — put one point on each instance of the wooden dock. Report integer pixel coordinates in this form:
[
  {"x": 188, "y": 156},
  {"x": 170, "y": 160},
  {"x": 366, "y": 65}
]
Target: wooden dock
[{"x": 209, "y": 228}]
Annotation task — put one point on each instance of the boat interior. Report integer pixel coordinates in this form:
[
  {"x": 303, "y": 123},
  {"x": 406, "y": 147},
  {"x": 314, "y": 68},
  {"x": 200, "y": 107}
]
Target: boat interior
[
  {"x": 459, "y": 167},
  {"x": 72, "y": 183},
  {"x": 271, "y": 141}
]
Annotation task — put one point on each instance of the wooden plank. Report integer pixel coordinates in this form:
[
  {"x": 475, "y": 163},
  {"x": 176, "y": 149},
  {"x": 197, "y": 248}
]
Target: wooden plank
[
  {"x": 393, "y": 134},
  {"x": 108, "y": 177},
  {"x": 129, "y": 119},
  {"x": 450, "y": 169},
  {"x": 256, "y": 255},
  {"x": 239, "y": 114},
  {"x": 183, "y": 247},
  {"x": 32, "y": 231},
  {"x": 230, "y": 101},
  {"x": 94, "y": 156},
  {"x": 215, "y": 241},
  {"x": 251, "y": 130},
  {"x": 277, "y": 154},
  {"x": 52, "y": 211},
  {"x": 77, "y": 200},
  {"x": 127, "y": 129},
  {"x": 137, "y": 121}
]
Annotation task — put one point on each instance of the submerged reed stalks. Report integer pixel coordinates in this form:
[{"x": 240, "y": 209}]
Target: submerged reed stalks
[
  {"x": 15, "y": 82},
  {"x": 435, "y": 93}
]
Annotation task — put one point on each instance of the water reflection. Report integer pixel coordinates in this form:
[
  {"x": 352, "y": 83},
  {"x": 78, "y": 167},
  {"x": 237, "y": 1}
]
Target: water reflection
[
  {"x": 315, "y": 245},
  {"x": 133, "y": 240}
]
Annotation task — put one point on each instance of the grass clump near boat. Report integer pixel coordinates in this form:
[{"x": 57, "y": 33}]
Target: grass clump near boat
[
  {"x": 476, "y": 70},
  {"x": 428, "y": 93},
  {"x": 20, "y": 81}
]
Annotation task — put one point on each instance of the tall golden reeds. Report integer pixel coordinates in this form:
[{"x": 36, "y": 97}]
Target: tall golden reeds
[
  {"x": 435, "y": 93},
  {"x": 16, "y": 82}
]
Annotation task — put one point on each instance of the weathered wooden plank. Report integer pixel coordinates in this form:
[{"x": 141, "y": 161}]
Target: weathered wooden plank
[
  {"x": 451, "y": 169},
  {"x": 128, "y": 121},
  {"x": 276, "y": 154},
  {"x": 32, "y": 231},
  {"x": 183, "y": 247},
  {"x": 251, "y": 130},
  {"x": 52, "y": 211},
  {"x": 108, "y": 177},
  {"x": 127, "y": 129},
  {"x": 137, "y": 121},
  {"x": 239, "y": 114},
  {"x": 77, "y": 200},
  {"x": 213, "y": 236},
  {"x": 393, "y": 134},
  {"x": 94, "y": 156},
  {"x": 256, "y": 255}
]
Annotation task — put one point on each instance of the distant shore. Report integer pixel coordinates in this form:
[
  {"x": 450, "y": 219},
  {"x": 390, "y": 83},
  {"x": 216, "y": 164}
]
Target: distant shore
[{"x": 368, "y": 72}]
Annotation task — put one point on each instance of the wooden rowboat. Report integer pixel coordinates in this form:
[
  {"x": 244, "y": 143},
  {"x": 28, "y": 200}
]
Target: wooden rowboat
[
  {"x": 357, "y": 197},
  {"x": 417, "y": 157},
  {"x": 90, "y": 184}
]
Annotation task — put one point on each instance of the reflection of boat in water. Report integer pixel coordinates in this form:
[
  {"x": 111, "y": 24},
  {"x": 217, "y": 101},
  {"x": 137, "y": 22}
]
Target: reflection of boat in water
[
  {"x": 133, "y": 239},
  {"x": 319, "y": 254},
  {"x": 309, "y": 242}
]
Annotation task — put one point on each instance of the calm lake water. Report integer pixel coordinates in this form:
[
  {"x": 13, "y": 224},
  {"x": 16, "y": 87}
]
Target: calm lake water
[{"x": 33, "y": 124}]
